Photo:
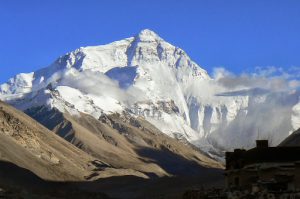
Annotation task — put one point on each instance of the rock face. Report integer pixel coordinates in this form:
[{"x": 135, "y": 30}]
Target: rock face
[
  {"x": 28, "y": 144},
  {"x": 145, "y": 76}
]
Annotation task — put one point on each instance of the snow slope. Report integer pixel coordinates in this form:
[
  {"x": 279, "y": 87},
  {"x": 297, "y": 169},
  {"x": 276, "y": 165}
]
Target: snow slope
[{"x": 147, "y": 76}]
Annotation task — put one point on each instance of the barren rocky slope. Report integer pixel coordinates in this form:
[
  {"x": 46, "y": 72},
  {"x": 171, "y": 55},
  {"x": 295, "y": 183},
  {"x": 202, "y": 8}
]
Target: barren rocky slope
[
  {"x": 99, "y": 156},
  {"x": 30, "y": 145},
  {"x": 127, "y": 142}
]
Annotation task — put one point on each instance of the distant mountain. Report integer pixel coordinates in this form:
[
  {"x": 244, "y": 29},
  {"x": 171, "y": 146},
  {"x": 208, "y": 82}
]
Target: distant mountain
[
  {"x": 148, "y": 79},
  {"x": 293, "y": 140}
]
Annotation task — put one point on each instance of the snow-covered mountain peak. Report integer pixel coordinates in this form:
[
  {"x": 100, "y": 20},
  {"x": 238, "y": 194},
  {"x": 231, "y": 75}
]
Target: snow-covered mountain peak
[
  {"x": 149, "y": 77},
  {"x": 146, "y": 48},
  {"x": 147, "y": 35}
]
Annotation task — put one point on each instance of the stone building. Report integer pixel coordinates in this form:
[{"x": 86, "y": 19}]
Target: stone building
[{"x": 263, "y": 167}]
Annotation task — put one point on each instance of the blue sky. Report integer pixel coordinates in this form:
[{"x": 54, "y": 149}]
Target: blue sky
[{"x": 237, "y": 35}]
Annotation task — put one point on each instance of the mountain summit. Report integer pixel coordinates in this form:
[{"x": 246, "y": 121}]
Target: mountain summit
[
  {"x": 148, "y": 35},
  {"x": 145, "y": 76}
]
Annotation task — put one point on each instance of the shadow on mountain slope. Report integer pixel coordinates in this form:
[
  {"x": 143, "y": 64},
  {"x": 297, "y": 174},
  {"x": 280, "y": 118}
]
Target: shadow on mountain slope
[
  {"x": 22, "y": 183},
  {"x": 17, "y": 182},
  {"x": 173, "y": 163},
  {"x": 12, "y": 175},
  {"x": 132, "y": 187}
]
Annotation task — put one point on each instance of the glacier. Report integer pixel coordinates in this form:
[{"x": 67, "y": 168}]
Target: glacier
[{"x": 148, "y": 77}]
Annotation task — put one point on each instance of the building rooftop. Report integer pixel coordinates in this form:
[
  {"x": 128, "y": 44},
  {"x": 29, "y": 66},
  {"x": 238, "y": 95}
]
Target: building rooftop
[{"x": 262, "y": 153}]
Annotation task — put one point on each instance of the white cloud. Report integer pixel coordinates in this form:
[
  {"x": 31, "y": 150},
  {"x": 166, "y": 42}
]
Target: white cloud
[
  {"x": 268, "y": 114},
  {"x": 273, "y": 78},
  {"x": 99, "y": 84}
]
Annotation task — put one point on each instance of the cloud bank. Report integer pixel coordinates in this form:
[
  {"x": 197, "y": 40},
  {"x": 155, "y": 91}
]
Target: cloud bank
[{"x": 273, "y": 94}]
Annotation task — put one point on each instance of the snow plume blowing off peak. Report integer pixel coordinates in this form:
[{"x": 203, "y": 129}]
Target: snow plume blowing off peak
[{"x": 148, "y": 77}]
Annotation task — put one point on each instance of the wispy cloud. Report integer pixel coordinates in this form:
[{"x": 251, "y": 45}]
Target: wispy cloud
[
  {"x": 273, "y": 78},
  {"x": 99, "y": 84}
]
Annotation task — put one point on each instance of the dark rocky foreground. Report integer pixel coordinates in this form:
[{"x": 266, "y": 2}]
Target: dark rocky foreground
[{"x": 17, "y": 194}]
